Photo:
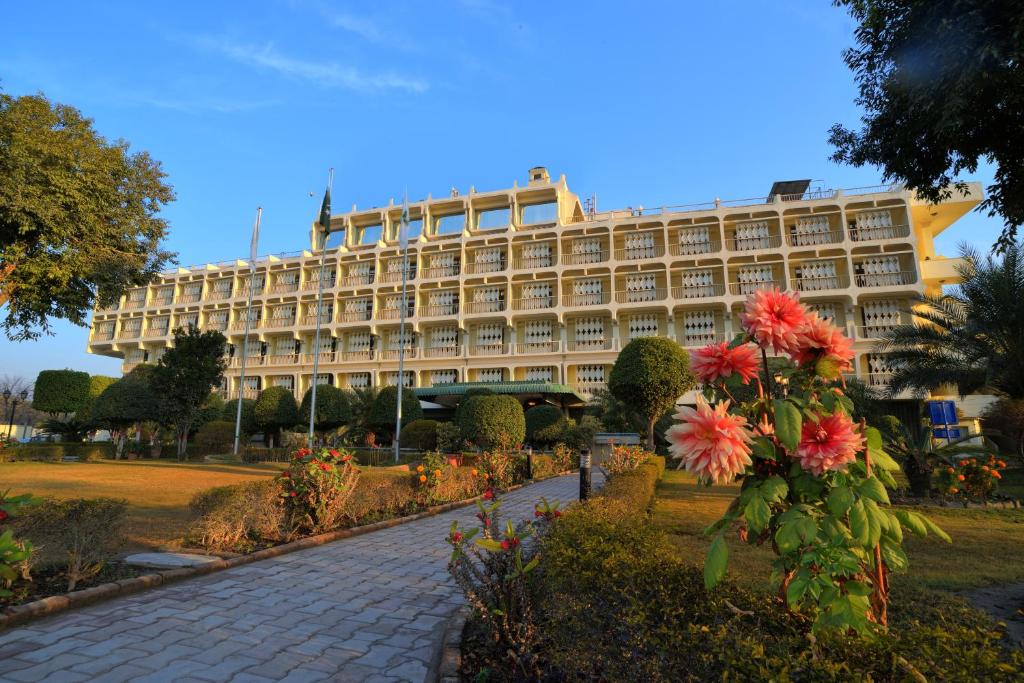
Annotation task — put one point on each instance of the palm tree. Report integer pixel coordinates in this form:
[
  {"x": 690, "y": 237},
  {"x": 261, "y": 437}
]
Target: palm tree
[
  {"x": 920, "y": 454},
  {"x": 971, "y": 337}
]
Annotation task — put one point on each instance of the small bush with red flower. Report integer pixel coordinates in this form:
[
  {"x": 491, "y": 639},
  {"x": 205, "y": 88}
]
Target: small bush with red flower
[
  {"x": 625, "y": 459},
  {"x": 316, "y": 487},
  {"x": 973, "y": 479},
  {"x": 492, "y": 565},
  {"x": 14, "y": 553},
  {"x": 442, "y": 482}
]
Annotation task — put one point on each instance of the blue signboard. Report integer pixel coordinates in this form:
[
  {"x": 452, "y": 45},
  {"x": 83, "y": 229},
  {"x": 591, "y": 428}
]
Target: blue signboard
[
  {"x": 943, "y": 412},
  {"x": 952, "y": 433}
]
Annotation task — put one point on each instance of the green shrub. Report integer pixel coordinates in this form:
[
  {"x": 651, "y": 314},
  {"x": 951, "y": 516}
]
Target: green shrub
[
  {"x": 545, "y": 425},
  {"x": 382, "y": 412},
  {"x": 449, "y": 437},
  {"x": 214, "y": 437},
  {"x": 420, "y": 434},
  {"x": 382, "y": 493},
  {"x": 237, "y": 517},
  {"x": 275, "y": 410},
  {"x": 542, "y": 466},
  {"x": 230, "y": 414},
  {"x": 79, "y": 535},
  {"x": 332, "y": 408},
  {"x": 46, "y": 452},
  {"x": 491, "y": 421},
  {"x": 61, "y": 391},
  {"x": 581, "y": 434}
]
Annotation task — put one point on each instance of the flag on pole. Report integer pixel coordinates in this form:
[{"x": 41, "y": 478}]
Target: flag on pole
[
  {"x": 325, "y": 215},
  {"x": 255, "y": 237},
  {"x": 403, "y": 226}
]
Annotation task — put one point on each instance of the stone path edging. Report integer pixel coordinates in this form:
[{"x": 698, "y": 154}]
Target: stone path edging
[
  {"x": 21, "y": 614},
  {"x": 451, "y": 649}
]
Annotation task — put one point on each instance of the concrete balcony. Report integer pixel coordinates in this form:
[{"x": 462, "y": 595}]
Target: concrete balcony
[
  {"x": 641, "y": 295},
  {"x": 324, "y": 357},
  {"x": 906, "y": 277},
  {"x": 698, "y": 291},
  {"x": 251, "y": 361},
  {"x": 745, "y": 288},
  {"x": 818, "y": 284},
  {"x": 218, "y": 294},
  {"x": 533, "y": 262},
  {"x": 537, "y": 347},
  {"x": 489, "y": 349},
  {"x": 484, "y": 268},
  {"x": 240, "y": 324},
  {"x": 157, "y": 332},
  {"x": 576, "y": 346},
  {"x": 355, "y": 356},
  {"x": 888, "y": 232},
  {"x": 439, "y": 272},
  {"x": 478, "y": 307},
  {"x": 396, "y": 313},
  {"x": 283, "y": 287},
  {"x": 583, "y": 259},
  {"x": 356, "y": 280},
  {"x": 392, "y": 354},
  {"x": 442, "y": 352},
  {"x": 280, "y": 322},
  {"x": 814, "y": 239},
  {"x": 592, "y": 299},
  {"x": 639, "y": 253},
  {"x": 535, "y": 303},
  {"x": 188, "y": 298},
  {"x": 129, "y": 333},
  {"x": 355, "y": 316},
  {"x": 439, "y": 311}
]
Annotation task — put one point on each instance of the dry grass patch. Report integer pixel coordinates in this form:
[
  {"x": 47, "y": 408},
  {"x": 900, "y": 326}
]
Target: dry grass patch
[{"x": 158, "y": 492}]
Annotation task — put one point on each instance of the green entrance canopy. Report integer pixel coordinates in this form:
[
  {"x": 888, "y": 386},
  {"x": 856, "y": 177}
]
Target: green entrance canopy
[{"x": 448, "y": 394}]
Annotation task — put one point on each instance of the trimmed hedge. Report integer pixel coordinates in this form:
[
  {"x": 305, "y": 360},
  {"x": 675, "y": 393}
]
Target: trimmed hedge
[
  {"x": 56, "y": 452},
  {"x": 420, "y": 434},
  {"x": 486, "y": 420},
  {"x": 545, "y": 425},
  {"x": 616, "y": 602}
]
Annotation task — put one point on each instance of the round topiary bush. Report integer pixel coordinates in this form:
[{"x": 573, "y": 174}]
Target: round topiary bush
[
  {"x": 382, "y": 412},
  {"x": 332, "y": 408},
  {"x": 492, "y": 420},
  {"x": 420, "y": 434},
  {"x": 230, "y": 414},
  {"x": 545, "y": 425},
  {"x": 216, "y": 436},
  {"x": 648, "y": 376}
]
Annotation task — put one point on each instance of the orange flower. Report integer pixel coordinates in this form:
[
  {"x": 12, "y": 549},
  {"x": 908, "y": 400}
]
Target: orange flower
[
  {"x": 960, "y": 477},
  {"x": 423, "y": 478},
  {"x": 474, "y": 472},
  {"x": 996, "y": 474},
  {"x": 950, "y": 470},
  {"x": 437, "y": 473},
  {"x": 419, "y": 468}
]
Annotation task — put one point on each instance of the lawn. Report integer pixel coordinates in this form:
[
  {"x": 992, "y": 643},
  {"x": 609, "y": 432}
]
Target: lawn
[
  {"x": 988, "y": 544},
  {"x": 157, "y": 492}
]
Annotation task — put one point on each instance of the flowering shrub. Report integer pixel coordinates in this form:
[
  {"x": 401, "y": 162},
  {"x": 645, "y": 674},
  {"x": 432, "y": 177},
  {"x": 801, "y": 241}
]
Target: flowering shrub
[
  {"x": 501, "y": 467},
  {"x": 492, "y": 568},
  {"x": 814, "y": 482},
  {"x": 14, "y": 553},
  {"x": 625, "y": 458},
  {"x": 564, "y": 457},
  {"x": 441, "y": 482},
  {"x": 315, "y": 488},
  {"x": 973, "y": 479}
]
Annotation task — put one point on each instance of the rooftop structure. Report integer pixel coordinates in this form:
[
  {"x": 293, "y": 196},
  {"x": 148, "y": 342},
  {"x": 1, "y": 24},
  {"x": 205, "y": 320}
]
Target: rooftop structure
[{"x": 528, "y": 284}]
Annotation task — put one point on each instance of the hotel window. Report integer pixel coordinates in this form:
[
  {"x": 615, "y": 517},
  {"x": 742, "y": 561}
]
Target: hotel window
[
  {"x": 538, "y": 255},
  {"x": 135, "y": 356},
  {"x": 825, "y": 311},
  {"x": 695, "y": 240},
  {"x": 284, "y": 347},
  {"x": 396, "y": 339},
  {"x": 288, "y": 382},
  {"x": 879, "y": 271},
  {"x": 589, "y": 332},
  {"x": 188, "y": 319},
  {"x": 881, "y": 316},
  {"x": 445, "y": 302},
  {"x": 543, "y": 374},
  {"x": 590, "y": 374},
  {"x": 586, "y": 250},
  {"x": 490, "y": 334},
  {"x": 359, "y": 380},
  {"x": 546, "y": 212},
  {"x": 444, "y": 264},
  {"x": 639, "y": 245},
  {"x": 753, "y": 278},
  {"x": 357, "y": 341},
  {"x": 816, "y": 275},
  {"x": 491, "y": 375},
  {"x": 222, "y": 287},
  {"x": 697, "y": 283},
  {"x": 698, "y": 328},
  {"x": 391, "y": 379},
  {"x": 810, "y": 230},
  {"x": 752, "y": 235},
  {"x": 642, "y": 326},
  {"x": 325, "y": 379},
  {"x": 371, "y": 234},
  {"x": 490, "y": 219},
  {"x": 537, "y": 333},
  {"x": 588, "y": 292},
  {"x": 641, "y": 287},
  {"x": 539, "y": 295},
  {"x": 443, "y": 377},
  {"x": 873, "y": 225},
  {"x": 444, "y": 337},
  {"x": 452, "y": 224}
]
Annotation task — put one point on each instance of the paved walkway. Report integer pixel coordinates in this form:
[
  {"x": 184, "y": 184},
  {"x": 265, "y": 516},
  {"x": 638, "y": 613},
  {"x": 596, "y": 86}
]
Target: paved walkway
[{"x": 368, "y": 608}]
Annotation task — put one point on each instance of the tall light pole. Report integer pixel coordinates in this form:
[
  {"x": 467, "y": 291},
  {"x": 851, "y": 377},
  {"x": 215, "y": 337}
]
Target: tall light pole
[{"x": 14, "y": 406}]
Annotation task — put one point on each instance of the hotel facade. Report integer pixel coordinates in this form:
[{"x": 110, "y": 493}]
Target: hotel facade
[{"x": 530, "y": 284}]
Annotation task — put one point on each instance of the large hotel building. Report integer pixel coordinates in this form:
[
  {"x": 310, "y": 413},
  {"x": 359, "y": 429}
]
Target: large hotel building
[{"x": 531, "y": 285}]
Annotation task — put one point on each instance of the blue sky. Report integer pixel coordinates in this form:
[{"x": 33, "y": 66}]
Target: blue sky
[{"x": 249, "y": 104}]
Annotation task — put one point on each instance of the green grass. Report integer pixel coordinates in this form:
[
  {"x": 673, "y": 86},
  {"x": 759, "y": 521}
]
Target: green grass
[
  {"x": 988, "y": 544},
  {"x": 157, "y": 491}
]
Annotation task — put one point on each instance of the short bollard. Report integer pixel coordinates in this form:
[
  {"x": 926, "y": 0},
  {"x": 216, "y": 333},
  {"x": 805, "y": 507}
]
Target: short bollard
[
  {"x": 584, "y": 474},
  {"x": 529, "y": 464}
]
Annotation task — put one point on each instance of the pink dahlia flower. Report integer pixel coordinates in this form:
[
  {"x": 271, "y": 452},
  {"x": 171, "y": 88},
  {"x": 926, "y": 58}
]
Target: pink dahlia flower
[
  {"x": 832, "y": 443},
  {"x": 710, "y": 442},
  {"x": 821, "y": 339},
  {"x": 715, "y": 361},
  {"x": 774, "y": 318}
]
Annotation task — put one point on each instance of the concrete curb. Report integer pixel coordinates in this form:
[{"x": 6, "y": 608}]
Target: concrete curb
[
  {"x": 451, "y": 647},
  {"x": 21, "y": 614}
]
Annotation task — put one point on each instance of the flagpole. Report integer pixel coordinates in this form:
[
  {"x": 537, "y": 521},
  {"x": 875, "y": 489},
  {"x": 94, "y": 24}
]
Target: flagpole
[
  {"x": 403, "y": 241},
  {"x": 248, "y": 313},
  {"x": 319, "y": 308}
]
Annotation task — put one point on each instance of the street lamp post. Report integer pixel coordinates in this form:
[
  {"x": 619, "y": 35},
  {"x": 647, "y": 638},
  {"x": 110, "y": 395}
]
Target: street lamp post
[{"x": 14, "y": 406}]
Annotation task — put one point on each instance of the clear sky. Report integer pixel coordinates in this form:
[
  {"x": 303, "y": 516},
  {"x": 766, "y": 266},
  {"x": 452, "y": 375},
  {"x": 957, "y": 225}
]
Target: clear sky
[{"x": 250, "y": 103}]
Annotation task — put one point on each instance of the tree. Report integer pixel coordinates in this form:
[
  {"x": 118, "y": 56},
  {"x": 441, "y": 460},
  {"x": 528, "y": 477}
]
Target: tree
[
  {"x": 971, "y": 337},
  {"x": 212, "y": 410},
  {"x": 121, "y": 405},
  {"x": 545, "y": 425},
  {"x": 97, "y": 383},
  {"x": 275, "y": 410},
  {"x": 649, "y": 375},
  {"x": 230, "y": 414},
  {"x": 60, "y": 392},
  {"x": 184, "y": 377},
  {"x": 382, "y": 415},
  {"x": 79, "y": 216},
  {"x": 332, "y": 408},
  {"x": 490, "y": 421},
  {"x": 940, "y": 83}
]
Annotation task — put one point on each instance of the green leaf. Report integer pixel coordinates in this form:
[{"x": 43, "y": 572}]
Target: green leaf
[
  {"x": 873, "y": 438},
  {"x": 873, "y": 489},
  {"x": 859, "y": 523},
  {"x": 715, "y": 563},
  {"x": 882, "y": 460},
  {"x": 846, "y": 403},
  {"x": 788, "y": 423},
  {"x": 858, "y": 588},
  {"x": 839, "y": 500},
  {"x": 774, "y": 489},
  {"x": 787, "y": 537},
  {"x": 894, "y": 557},
  {"x": 875, "y": 522},
  {"x": 762, "y": 448},
  {"x": 489, "y": 544},
  {"x": 807, "y": 528},
  {"x": 795, "y": 590},
  {"x": 912, "y": 521},
  {"x": 935, "y": 529},
  {"x": 757, "y": 513},
  {"x": 828, "y": 400}
]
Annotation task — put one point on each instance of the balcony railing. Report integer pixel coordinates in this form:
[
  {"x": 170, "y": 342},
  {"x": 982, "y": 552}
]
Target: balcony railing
[
  {"x": 692, "y": 248},
  {"x": 216, "y": 294},
  {"x": 281, "y": 321},
  {"x": 282, "y": 359},
  {"x": 134, "y": 303},
  {"x": 189, "y": 298},
  {"x": 696, "y": 341},
  {"x": 251, "y": 360},
  {"x": 538, "y": 347},
  {"x": 488, "y": 349},
  {"x": 356, "y": 280},
  {"x": 879, "y": 379},
  {"x": 887, "y": 232},
  {"x": 533, "y": 262},
  {"x": 156, "y": 332},
  {"x": 585, "y": 258},
  {"x": 219, "y": 325},
  {"x": 638, "y": 253},
  {"x": 439, "y": 310},
  {"x": 325, "y": 357},
  {"x": 592, "y": 299},
  {"x": 240, "y": 324},
  {"x": 396, "y": 275},
  {"x": 744, "y": 288},
  {"x": 395, "y": 313},
  {"x": 392, "y": 354},
  {"x": 484, "y": 307},
  {"x": 906, "y": 277},
  {"x": 130, "y": 333},
  {"x": 350, "y": 356},
  {"x": 812, "y": 239},
  {"x": 588, "y": 389},
  {"x": 355, "y": 316},
  {"x": 698, "y": 291},
  {"x": 313, "y": 284},
  {"x": 440, "y": 271},
  {"x": 753, "y": 243},
  {"x": 589, "y": 345},
  {"x": 256, "y": 291},
  {"x": 817, "y": 284},
  {"x": 284, "y": 287},
  {"x": 640, "y": 295},
  {"x": 442, "y": 352},
  {"x": 105, "y": 335},
  {"x": 533, "y": 303},
  {"x": 325, "y": 318},
  {"x": 481, "y": 268}
]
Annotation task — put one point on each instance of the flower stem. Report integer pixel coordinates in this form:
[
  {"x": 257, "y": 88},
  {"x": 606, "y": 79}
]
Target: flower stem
[{"x": 767, "y": 374}]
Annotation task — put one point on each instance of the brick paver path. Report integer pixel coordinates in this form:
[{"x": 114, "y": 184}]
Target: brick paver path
[{"x": 367, "y": 608}]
